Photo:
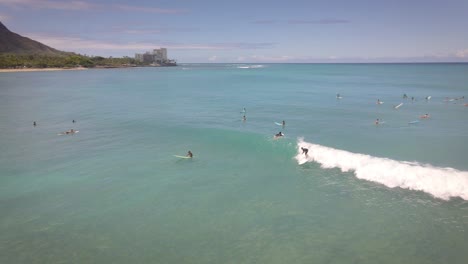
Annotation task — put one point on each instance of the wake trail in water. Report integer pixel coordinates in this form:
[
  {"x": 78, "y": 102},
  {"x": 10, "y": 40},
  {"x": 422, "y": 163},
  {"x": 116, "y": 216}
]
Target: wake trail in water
[{"x": 442, "y": 183}]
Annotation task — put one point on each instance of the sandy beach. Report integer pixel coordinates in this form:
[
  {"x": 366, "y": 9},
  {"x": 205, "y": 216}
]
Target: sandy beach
[{"x": 42, "y": 69}]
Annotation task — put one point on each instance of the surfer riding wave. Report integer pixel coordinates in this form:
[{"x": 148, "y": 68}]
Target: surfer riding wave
[{"x": 442, "y": 183}]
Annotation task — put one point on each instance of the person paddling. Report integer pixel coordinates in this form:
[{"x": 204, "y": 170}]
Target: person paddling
[{"x": 190, "y": 154}]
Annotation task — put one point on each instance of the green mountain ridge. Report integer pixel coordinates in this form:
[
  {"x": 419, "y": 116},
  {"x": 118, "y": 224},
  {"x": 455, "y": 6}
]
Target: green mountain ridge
[
  {"x": 18, "y": 52},
  {"x": 13, "y": 43}
]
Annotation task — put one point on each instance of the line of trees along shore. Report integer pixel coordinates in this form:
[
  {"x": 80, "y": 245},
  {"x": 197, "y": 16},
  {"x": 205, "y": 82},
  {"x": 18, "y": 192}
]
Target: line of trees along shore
[{"x": 14, "y": 61}]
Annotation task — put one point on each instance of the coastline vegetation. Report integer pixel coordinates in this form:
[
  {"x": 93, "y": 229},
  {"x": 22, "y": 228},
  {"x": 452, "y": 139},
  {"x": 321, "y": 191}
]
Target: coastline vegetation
[{"x": 21, "y": 61}]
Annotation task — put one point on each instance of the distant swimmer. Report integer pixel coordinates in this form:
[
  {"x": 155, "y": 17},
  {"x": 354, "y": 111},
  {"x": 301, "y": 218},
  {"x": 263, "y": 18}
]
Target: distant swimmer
[
  {"x": 377, "y": 121},
  {"x": 304, "y": 151},
  {"x": 73, "y": 121},
  {"x": 190, "y": 154},
  {"x": 34, "y": 123},
  {"x": 283, "y": 123},
  {"x": 425, "y": 116},
  {"x": 405, "y": 96},
  {"x": 244, "y": 118}
]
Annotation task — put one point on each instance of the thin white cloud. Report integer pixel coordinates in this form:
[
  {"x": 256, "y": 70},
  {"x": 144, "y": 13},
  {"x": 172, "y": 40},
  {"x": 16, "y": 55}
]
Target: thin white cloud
[
  {"x": 462, "y": 53},
  {"x": 303, "y": 21},
  {"x": 84, "y": 5},
  {"x": 319, "y": 21},
  {"x": 49, "y": 4},
  {"x": 141, "y": 31},
  {"x": 149, "y": 9},
  {"x": 263, "y": 58},
  {"x": 4, "y": 18},
  {"x": 86, "y": 45}
]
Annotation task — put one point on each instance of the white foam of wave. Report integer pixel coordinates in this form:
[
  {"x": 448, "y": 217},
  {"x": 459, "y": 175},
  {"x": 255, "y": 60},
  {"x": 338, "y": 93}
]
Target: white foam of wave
[
  {"x": 442, "y": 183},
  {"x": 250, "y": 66}
]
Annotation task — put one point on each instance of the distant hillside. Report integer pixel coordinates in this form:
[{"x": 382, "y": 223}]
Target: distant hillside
[{"x": 13, "y": 43}]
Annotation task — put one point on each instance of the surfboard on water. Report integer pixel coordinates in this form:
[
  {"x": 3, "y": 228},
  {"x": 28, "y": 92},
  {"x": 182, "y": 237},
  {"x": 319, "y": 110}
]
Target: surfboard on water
[
  {"x": 380, "y": 102},
  {"x": 413, "y": 122},
  {"x": 398, "y": 106},
  {"x": 181, "y": 157},
  {"x": 429, "y": 97},
  {"x": 64, "y": 133},
  {"x": 279, "y": 124}
]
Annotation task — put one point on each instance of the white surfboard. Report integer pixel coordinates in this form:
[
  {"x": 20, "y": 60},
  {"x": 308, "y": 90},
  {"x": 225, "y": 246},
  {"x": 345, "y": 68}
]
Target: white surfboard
[
  {"x": 398, "y": 106},
  {"x": 181, "y": 157},
  {"x": 65, "y": 133},
  {"x": 279, "y": 124}
]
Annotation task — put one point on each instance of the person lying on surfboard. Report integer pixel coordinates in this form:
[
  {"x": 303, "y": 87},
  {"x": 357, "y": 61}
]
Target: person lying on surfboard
[
  {"x": 279, "y": 135},
  {"x": 189, "y": 154}
]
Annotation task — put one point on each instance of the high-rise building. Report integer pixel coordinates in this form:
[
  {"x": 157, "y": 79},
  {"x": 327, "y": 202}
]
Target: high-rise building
[{"x": 158, "y": 56}]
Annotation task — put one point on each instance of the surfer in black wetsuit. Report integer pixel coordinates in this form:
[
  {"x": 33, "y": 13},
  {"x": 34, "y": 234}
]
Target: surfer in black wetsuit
[
  {"x": 283, "y": 123},
  {"x": 279, "y": 135},
  {"x": 189, "y": 154},
  {"x": 304, "y": 151},
  {"x": 34, "y": 123}
]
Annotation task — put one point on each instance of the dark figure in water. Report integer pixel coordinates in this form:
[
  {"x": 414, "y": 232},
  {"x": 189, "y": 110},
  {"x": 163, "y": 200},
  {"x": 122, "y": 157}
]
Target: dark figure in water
[
  {"x": 34, "y": 123},
  {"x": 189, "y": 154},
  {"x": 279, "y": 135},
  {"x": 73, "y": 121},
  {"x": 304, "y": 151},
  {"x": 284, "y": 123}
]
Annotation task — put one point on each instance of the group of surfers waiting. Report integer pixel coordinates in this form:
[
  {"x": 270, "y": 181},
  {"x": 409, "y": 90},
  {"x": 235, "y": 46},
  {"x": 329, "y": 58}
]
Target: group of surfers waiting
[{"x": 71, "y": 131}]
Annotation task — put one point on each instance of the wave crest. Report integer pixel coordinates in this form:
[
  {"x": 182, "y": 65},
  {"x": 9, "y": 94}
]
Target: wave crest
[{"x": 442, "y": 183}]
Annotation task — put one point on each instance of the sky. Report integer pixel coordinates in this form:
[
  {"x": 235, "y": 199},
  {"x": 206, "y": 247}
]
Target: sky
[{"x": 249, "y": 31}]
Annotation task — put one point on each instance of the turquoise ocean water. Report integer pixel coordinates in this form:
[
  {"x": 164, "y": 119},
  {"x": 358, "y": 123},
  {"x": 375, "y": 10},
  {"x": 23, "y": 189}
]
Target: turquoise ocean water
[{"x": 114, "y": 192}]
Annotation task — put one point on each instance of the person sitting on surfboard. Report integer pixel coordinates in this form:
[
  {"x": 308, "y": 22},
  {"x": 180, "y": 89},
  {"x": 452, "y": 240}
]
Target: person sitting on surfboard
[
  {"x": 377, "y": 121},
  {"x": 284, "y": 123},
  {"x": 244, "y": 118},
  {"x": 304, "y": 151},
  {"x": 425, "y": 116},
  {"x": 189, "y": 154}
]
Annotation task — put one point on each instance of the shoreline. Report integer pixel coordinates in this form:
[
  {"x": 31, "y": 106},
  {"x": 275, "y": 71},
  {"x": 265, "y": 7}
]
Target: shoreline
[
  {"x": 78, "y": 68},
  {"x": 43, "y": 69}
]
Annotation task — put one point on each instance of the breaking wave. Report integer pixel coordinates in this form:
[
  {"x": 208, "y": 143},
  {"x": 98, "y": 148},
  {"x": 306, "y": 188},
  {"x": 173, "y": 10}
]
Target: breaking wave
[
  {"x": 250, "y": 66},
  {"x": 442, "y": 183}
]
